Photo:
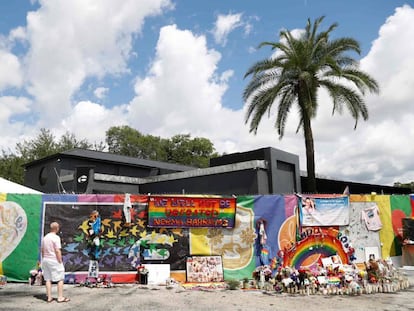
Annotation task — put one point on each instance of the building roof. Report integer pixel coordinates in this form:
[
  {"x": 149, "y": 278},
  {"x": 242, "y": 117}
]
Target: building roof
[{"x": 114, "y": 158}]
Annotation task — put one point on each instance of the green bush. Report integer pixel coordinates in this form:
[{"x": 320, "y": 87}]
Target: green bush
[{"x": 233, "y": 284}]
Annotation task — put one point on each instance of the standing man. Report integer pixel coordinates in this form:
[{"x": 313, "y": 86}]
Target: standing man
[{"x": 52, "y": 264}]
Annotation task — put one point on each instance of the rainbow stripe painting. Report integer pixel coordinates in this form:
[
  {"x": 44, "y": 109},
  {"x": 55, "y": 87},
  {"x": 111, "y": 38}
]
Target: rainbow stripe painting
[
  {"x": 325, "y": 245},
  {"x": 265, "y": 251}
]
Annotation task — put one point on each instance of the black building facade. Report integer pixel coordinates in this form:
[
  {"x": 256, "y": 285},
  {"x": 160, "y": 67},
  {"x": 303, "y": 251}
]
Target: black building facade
[
  {"x": 261, "y": 171},
  {"x": 87, "y": 171}
]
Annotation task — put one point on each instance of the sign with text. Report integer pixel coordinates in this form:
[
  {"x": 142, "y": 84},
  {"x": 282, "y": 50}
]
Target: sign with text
[
  {"x": 191, "y": 212},
  {"x": 325, "y": 211}
]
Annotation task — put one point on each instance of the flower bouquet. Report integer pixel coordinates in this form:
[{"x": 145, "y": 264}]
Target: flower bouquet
[
  {"x": 142, "y": 274},
  {"x": 265, "y": 270},
  {"x": 142, "y": 270}
]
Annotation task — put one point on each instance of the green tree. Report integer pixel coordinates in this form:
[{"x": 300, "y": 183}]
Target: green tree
[
  {"x": 152, "y": 147},
  {"x": 129, "y": 142},
  {"x": 45, "y": 144},
  {"x": 409, "y": 185},
  {"x": 302, "y": 65},
  {"x": 180, "y": 149},
  {"x": 69, "y": 141},
  {"x": 11, "y": 167},
  {"x": 196, "y": 152},
  {"x": 41, "y": 146},
  {"x": 122, "y": 140}
]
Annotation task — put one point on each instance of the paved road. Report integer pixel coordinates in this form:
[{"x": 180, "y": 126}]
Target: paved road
[{"x": 18, "y": 296}]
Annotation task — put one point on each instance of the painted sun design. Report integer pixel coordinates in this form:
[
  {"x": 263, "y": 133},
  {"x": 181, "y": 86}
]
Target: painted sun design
[
  {"x": 248, "y": 236},
  {"x": 215, "y": 235}
]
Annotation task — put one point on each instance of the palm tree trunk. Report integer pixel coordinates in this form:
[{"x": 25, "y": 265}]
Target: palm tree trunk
[{"x": 310, "y": 156}]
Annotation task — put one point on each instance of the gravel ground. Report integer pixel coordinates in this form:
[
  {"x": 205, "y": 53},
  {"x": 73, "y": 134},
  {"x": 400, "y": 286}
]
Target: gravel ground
[{"x": 19, "y": 296}]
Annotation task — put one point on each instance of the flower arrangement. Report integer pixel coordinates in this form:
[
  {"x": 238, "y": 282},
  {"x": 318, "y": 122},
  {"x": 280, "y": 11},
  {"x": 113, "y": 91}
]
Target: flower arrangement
[
  {"x": 3, "y": 280},
  {"x": 142, "y": 270},
  {"x": 36, "y": 276},
  {"x": 265, "y": 269}
]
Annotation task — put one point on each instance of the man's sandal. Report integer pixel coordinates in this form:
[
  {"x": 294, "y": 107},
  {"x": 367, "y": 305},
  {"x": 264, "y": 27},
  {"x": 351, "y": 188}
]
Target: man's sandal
[{"x": 65, "y": 299}]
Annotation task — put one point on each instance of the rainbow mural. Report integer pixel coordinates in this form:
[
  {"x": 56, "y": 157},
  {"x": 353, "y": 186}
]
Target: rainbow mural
[
  {"x": 325, "y": 245},
  {"x": 239, "y": 246}
]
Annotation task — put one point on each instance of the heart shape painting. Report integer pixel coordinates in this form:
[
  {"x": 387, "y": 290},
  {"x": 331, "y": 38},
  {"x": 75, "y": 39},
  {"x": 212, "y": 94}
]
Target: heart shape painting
[{"x": 13, "y": 225}]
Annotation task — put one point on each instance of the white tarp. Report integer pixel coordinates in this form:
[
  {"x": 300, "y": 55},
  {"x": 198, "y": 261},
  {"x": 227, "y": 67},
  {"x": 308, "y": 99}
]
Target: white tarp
[{"x": 7, "y": 186}]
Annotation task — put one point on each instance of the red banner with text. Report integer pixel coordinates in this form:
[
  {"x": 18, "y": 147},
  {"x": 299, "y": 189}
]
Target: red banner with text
[{"x": 191, "y": 212}]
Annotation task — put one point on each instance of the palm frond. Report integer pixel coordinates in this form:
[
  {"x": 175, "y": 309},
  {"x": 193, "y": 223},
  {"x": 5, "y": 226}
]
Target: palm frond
[
  {"x": 261, "y": 66},
  {"x": 338, "y": 46},
  {"x": 287, "y": 99},
  {"x": 344, "y": 96}
]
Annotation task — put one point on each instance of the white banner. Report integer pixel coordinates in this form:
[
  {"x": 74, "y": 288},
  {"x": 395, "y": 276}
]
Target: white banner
[{"x": 327, "y": 211}]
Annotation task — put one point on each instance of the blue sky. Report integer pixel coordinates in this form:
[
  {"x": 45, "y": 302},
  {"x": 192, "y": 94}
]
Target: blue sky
[{"x": 170, "y": 67}]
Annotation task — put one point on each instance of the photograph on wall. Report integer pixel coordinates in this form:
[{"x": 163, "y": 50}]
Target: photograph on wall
[
  {"x": 204, "y": 269},
  {"x": 325, "y": 211}
]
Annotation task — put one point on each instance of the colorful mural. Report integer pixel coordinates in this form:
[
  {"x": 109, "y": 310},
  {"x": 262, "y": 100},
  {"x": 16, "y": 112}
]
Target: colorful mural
[
  {"x": 20, "y": 221},
  {"x": 316, "y": 244},
  {"x": 241, "y": 247},
  {"x": 264, "y": 227},
  {"x": 400, "y": 208}
]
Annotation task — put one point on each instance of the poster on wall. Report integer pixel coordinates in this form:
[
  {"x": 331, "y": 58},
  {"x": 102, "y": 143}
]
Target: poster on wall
[
  {"x": 191, "y": 212},
  {"x": 204, "y": 269},
  {"x": 325, "y": 211}
]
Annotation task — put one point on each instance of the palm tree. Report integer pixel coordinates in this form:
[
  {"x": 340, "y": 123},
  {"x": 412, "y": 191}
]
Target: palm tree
[{"x": 301, "y": 65}]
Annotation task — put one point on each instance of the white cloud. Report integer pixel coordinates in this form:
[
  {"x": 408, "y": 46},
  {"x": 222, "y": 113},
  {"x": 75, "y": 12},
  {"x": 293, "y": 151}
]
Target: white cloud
[
  {"x": 183, "y": 92},
  {"x": 12, "y": 131},
  {"x": 381, "y": 149},
  {"x": 225, "y": 77},
  {"x": 248, "y": 24},
  {"x": 395, "y": 45},
  {"x": 226, "y": 24},
  {"x": 11, "y": 105},
  {"x": 100, "y": 92},
  {"x": 73, "y": 40},
  {"x": 90, "y": 121},
  {"x": 251, "y": 49},
  {"x": 17, "y": 34},
  {"x": 181, "y": 87},
  {"x": 10, "y": 71}
]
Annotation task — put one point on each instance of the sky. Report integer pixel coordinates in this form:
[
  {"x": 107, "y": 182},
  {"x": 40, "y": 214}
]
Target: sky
[{"x": 166, "y": 67}]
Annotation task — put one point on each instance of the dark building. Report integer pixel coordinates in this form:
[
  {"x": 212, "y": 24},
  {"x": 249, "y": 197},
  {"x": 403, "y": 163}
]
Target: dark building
[
  {"x": 87, "y": 171},
  {"x": 261, "y": 171}
]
